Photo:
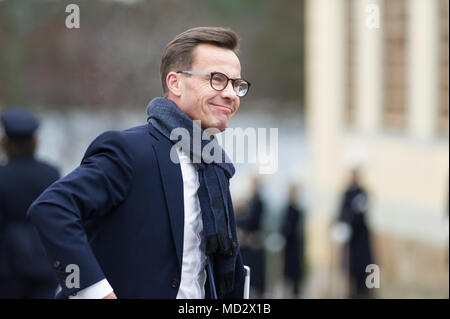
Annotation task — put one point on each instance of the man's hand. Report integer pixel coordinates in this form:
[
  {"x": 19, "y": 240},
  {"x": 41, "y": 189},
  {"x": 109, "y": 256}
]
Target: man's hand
[{"x": 111, "y": 296}]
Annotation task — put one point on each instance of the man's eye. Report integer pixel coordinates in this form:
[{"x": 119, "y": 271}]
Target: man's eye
[{"x": 218, "y": 79}]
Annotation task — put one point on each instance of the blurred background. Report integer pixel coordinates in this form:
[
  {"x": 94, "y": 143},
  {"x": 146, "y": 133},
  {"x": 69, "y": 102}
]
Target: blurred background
[{"x": 343, "y": 92}]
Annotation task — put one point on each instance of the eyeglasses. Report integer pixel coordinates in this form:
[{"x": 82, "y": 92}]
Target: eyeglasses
[{"x": 219, "y": 82}]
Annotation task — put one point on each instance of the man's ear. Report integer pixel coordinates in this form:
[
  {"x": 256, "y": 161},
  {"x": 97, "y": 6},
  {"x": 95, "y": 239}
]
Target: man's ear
[{"x": 173, "y": 83}]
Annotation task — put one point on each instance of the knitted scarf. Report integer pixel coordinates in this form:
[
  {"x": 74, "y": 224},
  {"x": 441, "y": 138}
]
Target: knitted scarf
[{"x": 214, "y": 171}]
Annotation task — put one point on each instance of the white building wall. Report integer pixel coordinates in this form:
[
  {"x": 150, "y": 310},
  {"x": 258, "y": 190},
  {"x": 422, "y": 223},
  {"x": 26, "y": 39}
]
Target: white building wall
[{"x": 406, "y": 174}]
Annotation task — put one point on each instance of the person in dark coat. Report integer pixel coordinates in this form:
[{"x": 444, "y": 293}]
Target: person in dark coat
[
  {"x": 353, "y": 211},
  {"x": 250, "y": 226},
  {"x": 145, "y": 215},
  {"x": 24, "y": 269},
  {"x": 293, "y": 232}
]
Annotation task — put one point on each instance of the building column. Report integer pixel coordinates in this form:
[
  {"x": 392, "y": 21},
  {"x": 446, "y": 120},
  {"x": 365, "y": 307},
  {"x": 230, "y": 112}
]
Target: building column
[
  {"x": 325, "y": 86},
  {"x": 423, "y": 59},
  {"x": 325, "y": 96},
  {"x": 369, "y": 74}
]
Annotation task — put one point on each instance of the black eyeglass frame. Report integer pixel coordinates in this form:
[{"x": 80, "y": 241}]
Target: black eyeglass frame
[{"x": 211, "y": 74}]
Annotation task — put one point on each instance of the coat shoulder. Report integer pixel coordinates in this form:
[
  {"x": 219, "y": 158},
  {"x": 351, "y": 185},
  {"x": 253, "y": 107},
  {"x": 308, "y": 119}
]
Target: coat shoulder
[
  {"x": 128, "y": 140},
  {"x": 134, "y": 135},
  {"x": 133, "y": 145}
]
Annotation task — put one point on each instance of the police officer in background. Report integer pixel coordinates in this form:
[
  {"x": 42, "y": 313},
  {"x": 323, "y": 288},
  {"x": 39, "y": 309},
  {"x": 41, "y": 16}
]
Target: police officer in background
[
  {"x": 353, "y": 211},
  {"x": 24, "y": 269},
  {"x": 252, "y": 246},
  {"x": 293, "y": 230}
]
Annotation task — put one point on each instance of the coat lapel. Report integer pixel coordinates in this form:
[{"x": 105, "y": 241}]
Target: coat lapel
[{"x": 172, "y": 181}]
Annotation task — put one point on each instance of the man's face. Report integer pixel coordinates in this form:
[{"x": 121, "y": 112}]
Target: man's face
[{"x": 198, "y": 99}]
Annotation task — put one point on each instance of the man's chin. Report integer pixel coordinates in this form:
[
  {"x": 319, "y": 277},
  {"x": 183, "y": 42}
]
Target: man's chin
[{"x": 220, "y": 125}]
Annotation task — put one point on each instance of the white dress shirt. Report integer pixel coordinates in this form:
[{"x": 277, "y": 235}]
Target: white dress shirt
[{"x": 193, "y": 273}]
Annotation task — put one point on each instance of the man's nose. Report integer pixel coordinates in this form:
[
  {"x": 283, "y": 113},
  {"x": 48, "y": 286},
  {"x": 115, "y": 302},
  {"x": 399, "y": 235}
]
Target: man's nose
[{"x": 228, "y": 91}]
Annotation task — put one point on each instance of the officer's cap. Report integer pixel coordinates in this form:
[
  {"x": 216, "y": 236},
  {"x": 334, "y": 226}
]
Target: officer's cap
[{"x": 18, "y": 122}]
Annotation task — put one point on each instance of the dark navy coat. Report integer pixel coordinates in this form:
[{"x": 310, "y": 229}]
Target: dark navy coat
[
  {"x": 22, "y": 255},
  {"x": 120, "y": 216},
  {"x": 353, "y": 211},
  {"x": 253, "y": 253},
  {"x": 293, "y": 232}
]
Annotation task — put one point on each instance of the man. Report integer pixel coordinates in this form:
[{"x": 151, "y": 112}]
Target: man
[
  {"x": 353, "y": 209},
  {"x": 251, "y": 239},
  {"x": 142, "y": 217},
  {"x": 24, "y": 269},
  {"x": 293, "y": 232}
]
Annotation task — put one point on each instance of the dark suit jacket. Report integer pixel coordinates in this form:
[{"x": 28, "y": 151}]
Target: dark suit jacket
[
  {"x": 120, "y": 216},
  {"x": 293, "y": 232},
  {"x": 359, "y": 244},
  {"x": 22, "y": 255}
]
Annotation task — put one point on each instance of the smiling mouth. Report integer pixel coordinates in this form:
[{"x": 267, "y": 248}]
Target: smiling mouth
[{"x": 228, "y": 109}]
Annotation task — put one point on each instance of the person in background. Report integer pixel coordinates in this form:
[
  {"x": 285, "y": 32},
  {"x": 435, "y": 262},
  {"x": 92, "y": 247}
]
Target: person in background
[
  {"x": 353, "y": 210},
  {"x": 293, "y": 232},
  {"x": 24, "y": 269},
  {"x": 252, "y": 245}
]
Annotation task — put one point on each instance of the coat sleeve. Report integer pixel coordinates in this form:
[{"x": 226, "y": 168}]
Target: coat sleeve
[{"x": 93, "y": 189}]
